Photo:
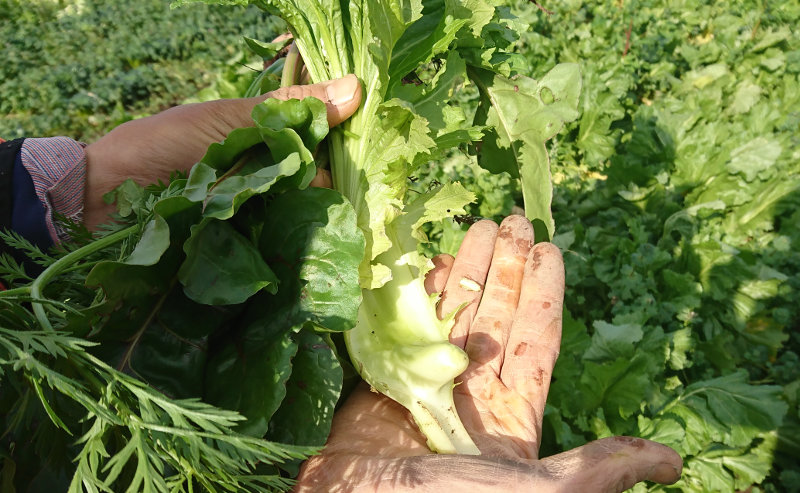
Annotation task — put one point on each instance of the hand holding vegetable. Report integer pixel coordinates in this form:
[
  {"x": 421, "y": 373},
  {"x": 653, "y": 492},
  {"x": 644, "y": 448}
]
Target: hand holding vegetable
[
  {"x": 149, "y": 149},
  {"x": 511, "y": 330}
]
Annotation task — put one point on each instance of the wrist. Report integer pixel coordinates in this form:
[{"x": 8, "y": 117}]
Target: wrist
[{"x": 97, "y": 184}]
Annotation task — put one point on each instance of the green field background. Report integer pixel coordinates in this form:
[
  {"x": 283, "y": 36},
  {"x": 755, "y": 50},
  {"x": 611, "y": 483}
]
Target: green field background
[{"x": 677, "y": 196}]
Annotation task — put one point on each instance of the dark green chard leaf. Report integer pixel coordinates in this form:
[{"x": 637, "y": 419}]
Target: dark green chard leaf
[
  {"x": 250, "y": 372},
  {"x": 311, "y": 397},
  {"x": 222, "y": 267},
  {"x": 311, "y": 394},
  {"x": 224, "y": 199},
  {"x": 316, "y": 259}
]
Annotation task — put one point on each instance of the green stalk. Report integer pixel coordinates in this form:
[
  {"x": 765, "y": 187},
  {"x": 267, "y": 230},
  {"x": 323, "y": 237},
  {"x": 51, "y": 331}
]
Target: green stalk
[
  {"x": 292, "y": 66},
  {"x": 21, "y": 291},
  {"x": 67, "y": 261},
  {"x": 402, "y": 349}
]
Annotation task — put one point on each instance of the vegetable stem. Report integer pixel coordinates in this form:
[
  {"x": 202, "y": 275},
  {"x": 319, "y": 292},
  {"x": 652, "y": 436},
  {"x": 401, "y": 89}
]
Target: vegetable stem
[
  {"x": 65, "y": 262},
  {"x": 406, "y": 355},
  {"x": 291, "y": 67},
  {"x": 21, "y": 291}
]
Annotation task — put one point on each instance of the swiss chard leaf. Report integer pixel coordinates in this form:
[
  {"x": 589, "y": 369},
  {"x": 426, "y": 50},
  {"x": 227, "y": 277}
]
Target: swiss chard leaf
[{"x": 222, "y": 267}]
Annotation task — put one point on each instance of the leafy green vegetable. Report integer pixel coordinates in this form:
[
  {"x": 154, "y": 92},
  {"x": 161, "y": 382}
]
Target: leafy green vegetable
[
  {"x": 218, "y": 292},
  {"x": 399, "y": 345}
]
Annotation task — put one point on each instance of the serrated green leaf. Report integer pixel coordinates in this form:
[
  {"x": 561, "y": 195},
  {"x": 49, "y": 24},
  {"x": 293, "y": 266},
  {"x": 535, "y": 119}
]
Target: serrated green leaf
[
  {"x": 746, "y": 96},
  {"x": 754, "y": 158},
  {"x": 611, "y": 341},
  {"x": 664, "y": 430},
  {"x": 681, "y": 344},
  {"x": 429, "y": 36},
  {"x": 523, "y": 114},
  {"x": 732, "y": 410}
]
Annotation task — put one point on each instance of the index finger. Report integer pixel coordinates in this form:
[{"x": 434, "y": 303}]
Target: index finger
[{"x": 535, "y": 338}]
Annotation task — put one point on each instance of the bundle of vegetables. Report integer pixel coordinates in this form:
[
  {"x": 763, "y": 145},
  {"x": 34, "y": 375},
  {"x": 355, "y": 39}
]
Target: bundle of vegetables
[{"x": 230, "y": 288}]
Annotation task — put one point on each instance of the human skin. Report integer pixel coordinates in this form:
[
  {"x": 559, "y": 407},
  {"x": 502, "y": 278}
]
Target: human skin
[
  {"x": 150, "y": 149},
  {"x": 511, "y": 331}
]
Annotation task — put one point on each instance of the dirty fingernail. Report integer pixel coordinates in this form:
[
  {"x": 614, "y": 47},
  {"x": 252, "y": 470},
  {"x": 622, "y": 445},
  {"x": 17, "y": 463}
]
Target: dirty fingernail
[{"x": 341, "y": 91}]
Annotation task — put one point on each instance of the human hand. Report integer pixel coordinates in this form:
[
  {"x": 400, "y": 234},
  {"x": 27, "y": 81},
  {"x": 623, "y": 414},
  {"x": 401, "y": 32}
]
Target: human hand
[
  {"x": 511, "y": 330},
  {"x": 150, "y": 149}
]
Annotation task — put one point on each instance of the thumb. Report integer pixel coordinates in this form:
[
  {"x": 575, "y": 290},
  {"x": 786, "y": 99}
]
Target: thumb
[
  {"x": 215, "y": 119},
  {"x": 615, "y": 464},
  {"x": 341, "y": 96}
]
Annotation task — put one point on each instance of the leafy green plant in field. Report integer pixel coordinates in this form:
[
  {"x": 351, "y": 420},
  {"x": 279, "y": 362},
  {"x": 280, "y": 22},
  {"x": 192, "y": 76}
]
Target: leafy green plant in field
[
  {"x": 676, "y": 199},
  {"x": 81, "y": 68}
]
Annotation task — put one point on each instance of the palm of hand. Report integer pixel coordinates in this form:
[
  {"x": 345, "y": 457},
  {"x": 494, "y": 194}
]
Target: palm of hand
[{"x": 511, "y": 330}]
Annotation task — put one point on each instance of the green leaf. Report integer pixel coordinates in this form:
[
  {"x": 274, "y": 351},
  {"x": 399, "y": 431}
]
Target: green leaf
[
  {"x": 222, "y": 267},
  {"x": 200, "y": 179},
  {"x": 435, "y": 205},
  {"x": 754, "y": 466},
  {"x": 224, "y": 200},
  {"x": 429, "y": 36},
  {"x": 265, "y": 50},
  {"x": 612, "y": 341},
  {"x": 431, "y": 100},
  {"x": 732, "y": 410},
  {"x": 681, "y": 346},
  {"x": 316, "y": 257},
  {"x": 523, "y": 114},
  {"x": 312, "y": 393},
  {"x": 617, "y": 386},
  {"x": 399, "y": 142},
  {"x": 754, "y": 157},
  {"x": 168, "y": 360},
  {"x": 701, "y": 474},
  {"x": 664, "y": 430},
  {"x": 154, "y": 242},
  {"x": 746, "y": 96},
  {"x": 600, "y": 108},
  {"x": 250, "y": 373},
  {"x": 291, "y": 126},
  {"x": 222, "y": 155}
]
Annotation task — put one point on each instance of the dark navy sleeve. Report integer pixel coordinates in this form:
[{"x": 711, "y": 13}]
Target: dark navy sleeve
[
  {"x": 28, "y": 215},
  {"x": 20, "y": 209},
  {"x": 8, "y": 154}
]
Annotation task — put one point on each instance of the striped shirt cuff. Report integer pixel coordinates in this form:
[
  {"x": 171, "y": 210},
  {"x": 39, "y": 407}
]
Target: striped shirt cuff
[{"x": 57, "y": 166}]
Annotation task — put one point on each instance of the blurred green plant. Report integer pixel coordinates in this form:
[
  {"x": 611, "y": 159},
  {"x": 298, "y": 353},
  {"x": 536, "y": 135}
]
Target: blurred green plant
[{"x": 79, "y": 68}]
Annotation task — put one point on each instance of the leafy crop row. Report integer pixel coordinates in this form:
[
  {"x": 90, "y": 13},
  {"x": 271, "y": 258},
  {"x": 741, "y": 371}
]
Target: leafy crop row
[
  {"x": 78, "y": 68},
  {"x": 677, "y": 198}
]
